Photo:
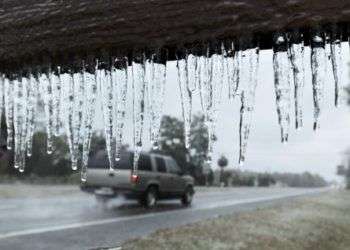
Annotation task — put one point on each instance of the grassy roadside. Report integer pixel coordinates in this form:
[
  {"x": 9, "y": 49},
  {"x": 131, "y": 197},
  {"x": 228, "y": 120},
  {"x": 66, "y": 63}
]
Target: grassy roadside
[{"x": 321, "y": 222}]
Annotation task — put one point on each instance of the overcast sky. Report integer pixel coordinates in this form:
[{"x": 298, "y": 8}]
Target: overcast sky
[{"x": 317, "y": 152}]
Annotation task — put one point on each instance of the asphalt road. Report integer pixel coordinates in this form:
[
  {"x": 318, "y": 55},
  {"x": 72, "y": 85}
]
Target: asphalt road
[{"x": 77, "y": 221}]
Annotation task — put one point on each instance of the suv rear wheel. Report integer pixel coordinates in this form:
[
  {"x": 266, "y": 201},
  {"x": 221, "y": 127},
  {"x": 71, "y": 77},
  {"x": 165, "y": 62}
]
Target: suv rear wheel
[
  {"x": 149, "y": 199},
  {"x": 187, "y": 197}
]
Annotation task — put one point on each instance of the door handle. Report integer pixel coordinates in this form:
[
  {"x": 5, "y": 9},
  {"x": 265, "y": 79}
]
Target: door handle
[{"x": 111, "y": 174}]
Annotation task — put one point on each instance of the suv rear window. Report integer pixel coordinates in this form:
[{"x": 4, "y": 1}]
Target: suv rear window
[
  {"x": 100, "y": 161},
  {"x": 160, "y": 165},
  {"x": 145, "y": 163}
]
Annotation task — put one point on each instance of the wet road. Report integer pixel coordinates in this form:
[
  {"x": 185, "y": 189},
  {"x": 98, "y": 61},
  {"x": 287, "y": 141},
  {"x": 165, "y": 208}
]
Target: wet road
[{"x": 77, "y": 221}]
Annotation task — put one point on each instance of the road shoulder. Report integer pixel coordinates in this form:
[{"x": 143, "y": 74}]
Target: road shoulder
[{"x": 318, "y": 222}]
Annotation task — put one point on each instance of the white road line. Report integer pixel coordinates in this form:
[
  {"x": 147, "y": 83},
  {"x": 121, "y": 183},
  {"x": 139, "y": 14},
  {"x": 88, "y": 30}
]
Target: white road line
[{"x": 142, "y": 216}]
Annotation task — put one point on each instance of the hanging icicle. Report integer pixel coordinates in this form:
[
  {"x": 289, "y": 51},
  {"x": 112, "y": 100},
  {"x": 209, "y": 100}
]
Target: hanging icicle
[
  {"x": 156, "y": 72},
  {"x": 68, "y": 107},
  {"x": 187, "y": 77},
  {"x": 2, "y": 96},
  {"x": 248, "y": 70},
  {"x": 337, "y": 62},
  {"x": 296, "y": 55},
  {"x": 211, "y": 84},
  {"x": 138, "y": 91},
  {"x": 120, "y": 79},
  {"x": 281, "y": 66},
  {"x": 318, "y": 69},
  {"x": 88, "y": 117},
  {"x": 106, "y": 87},
  {"x": 31, "y": 108},
  {"x": 46, "y": 81},
  {"x": 9, "y": 95},
  {"x": 56, "y": 94},
  {"x": 232, "y": 71},
  {"x": 19, "y": 122}
]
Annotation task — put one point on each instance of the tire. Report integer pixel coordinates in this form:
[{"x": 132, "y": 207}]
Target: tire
[
  {"x": 150, "y": 197},
  {"x": 187, "y": 197},
  {"x": 102, "y": 201}
]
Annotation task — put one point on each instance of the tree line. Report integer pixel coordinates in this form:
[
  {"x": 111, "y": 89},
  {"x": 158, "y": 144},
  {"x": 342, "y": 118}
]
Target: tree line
[{"x": 171, "y": 143}]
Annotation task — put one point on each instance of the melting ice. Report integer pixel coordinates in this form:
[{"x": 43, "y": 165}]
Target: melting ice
[
  {"x": 318, "y": 69},
  {"x": 281, "y": 66},
  {"x": 70, "y": 97},
  {"x": 248, "y": 69},
  {"x": 156, "y": 73},
  {"x": 187, "y": 79},
  {"x": 296, "y": 51},
  {"x": 138, "y": 91},
  {"x": 211, "y": 84},
  {"x": 337, "y": 60}
]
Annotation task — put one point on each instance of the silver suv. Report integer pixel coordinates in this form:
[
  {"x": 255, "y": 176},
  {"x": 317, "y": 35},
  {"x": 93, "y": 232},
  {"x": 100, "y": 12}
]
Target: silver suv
[{"x": 158, "y": 177}]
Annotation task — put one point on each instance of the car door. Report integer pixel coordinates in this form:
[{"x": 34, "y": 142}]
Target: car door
[
  {"x": 163, "y": 176},
  {"x": 176, "y": 180}
]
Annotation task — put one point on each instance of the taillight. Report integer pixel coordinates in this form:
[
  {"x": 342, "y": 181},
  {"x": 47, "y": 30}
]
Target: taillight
[{"x": 134, "y": 178}]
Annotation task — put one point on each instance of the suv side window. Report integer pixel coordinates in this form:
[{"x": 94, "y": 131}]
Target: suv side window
[
  {"x": 144, "y": 163},
  {"x": 160, "y": 165},
  {"x": 173, "y": 167}
]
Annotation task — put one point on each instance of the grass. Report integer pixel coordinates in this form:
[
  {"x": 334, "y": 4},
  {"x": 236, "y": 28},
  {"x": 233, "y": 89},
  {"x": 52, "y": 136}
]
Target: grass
[{"x": 321, "y": 222}]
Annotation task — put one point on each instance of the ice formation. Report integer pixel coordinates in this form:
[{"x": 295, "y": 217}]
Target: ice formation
[
  {"x": 281, "y": 66},
  {"x": 70, "y": 95}
]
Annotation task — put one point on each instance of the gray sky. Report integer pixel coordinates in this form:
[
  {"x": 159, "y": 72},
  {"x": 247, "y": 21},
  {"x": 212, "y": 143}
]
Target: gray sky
[{"x": 318, "y": 152}]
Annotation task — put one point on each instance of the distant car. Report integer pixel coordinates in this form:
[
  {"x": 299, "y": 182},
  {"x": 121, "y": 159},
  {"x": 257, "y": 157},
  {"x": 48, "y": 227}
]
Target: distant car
[{"x": 158, "y": 177}]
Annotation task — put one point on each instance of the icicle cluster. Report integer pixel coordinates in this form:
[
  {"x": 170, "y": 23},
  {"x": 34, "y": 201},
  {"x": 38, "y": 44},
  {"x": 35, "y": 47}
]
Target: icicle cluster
[
  {"x": 113, "y": 84},
  {"x": 69, "y": 96}
]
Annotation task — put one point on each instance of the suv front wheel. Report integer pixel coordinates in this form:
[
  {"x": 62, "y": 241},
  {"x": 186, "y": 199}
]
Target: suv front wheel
[{"x": 187, "y": 197}]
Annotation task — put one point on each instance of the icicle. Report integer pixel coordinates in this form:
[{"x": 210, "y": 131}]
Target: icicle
[
  {"x": 192, "y": 72},
  {"x": 19, "y": 121},
  {"x": 120, "y": 79},
  {"x": 232, "y": 72},
  {"x": 78, "y": 106},
  {"x": 186, "y": 88},
  {"x": 31, "y": 107},
  {"x": 2, "y": 96},
  {"x": 281, "y": 66},
  {"x": 296, "y": 56},
  {"x": 138, "y": 89},
  {"x": 47, "y": 83},
  {"x": 156, "y": 90},
  {"x": 211, "y": 84},
  {"x": 9, "y": 95},
  {"x": 337, "y": 60},
  {"x": 248, "y": 70},
  {"x": 57, "y": 101},
  {"x": 318, "y": 69},
  {"x": 88, "y": 118},
  {"x": 68, "y": 107},
  {"x": 107, "y": 91}
]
